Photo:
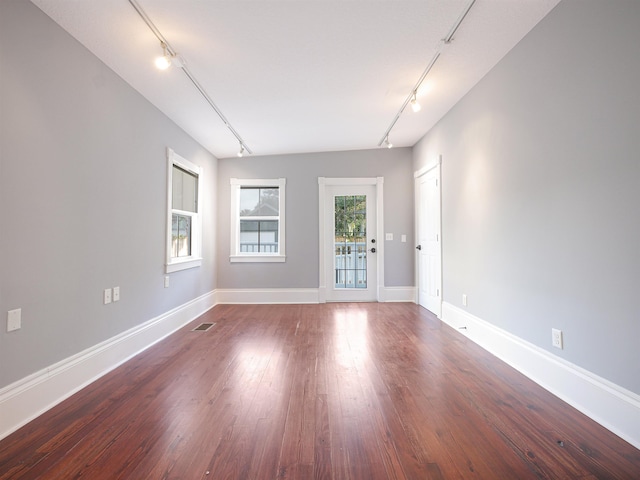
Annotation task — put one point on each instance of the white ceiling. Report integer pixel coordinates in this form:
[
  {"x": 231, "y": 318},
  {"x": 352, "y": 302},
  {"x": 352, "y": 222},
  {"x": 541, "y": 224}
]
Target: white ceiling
[{"x": 297, "y": 76}]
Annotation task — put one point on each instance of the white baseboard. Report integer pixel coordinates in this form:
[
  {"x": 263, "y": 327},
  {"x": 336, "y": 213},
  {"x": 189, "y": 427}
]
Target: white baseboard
[
  {"x": 24, "y": 400},
  {"x": 398, "y": 294},
  {"x": 266, "y": 295},
  {"x": 610, "y": 405},
  {"x": 301, "y": 295}
]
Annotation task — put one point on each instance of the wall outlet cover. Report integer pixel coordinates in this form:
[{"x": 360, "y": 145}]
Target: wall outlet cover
[
  {"x": 14, "y": 319},
  {"x": 556, "y": 338}
]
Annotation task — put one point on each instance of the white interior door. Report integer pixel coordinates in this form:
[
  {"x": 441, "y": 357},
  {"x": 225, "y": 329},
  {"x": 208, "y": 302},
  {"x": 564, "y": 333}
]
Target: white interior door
[
  {"x": 350, "y": 243},
  {"x": 429, "y": 241}
]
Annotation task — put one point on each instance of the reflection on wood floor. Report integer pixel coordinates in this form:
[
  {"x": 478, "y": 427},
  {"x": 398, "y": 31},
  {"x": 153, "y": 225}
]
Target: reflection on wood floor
[{"x": 342, "y": 391}]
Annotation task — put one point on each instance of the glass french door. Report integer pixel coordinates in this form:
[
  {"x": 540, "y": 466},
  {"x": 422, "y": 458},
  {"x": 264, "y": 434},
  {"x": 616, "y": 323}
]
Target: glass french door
[{"x": 351, "y": 243}]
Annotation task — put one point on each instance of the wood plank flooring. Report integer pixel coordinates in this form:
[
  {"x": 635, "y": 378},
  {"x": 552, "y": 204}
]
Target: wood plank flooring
[{"x": 335, "y": 391}]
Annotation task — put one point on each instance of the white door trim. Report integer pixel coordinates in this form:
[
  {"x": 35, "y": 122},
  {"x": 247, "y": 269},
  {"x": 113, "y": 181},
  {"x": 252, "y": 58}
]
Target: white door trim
[
  {"x": 428, "y": 168},
  {"x": 378, "y": 182}
]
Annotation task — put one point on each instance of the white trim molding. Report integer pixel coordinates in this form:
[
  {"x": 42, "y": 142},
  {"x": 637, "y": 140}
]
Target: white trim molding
[
  {"x": 24, "y": 400},
  {"x": 608, "y": 404},
  {"x": 301, "y": 295},
  {"x": 266, "y": 295},
  {"x": 426, "y": 168},
  {"x": 398, "y": 294}
]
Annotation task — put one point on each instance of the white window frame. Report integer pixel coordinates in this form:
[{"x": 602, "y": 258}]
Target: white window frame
[
  {"x": 236, "y": 255},
  {"x": 175, "y": 264}
]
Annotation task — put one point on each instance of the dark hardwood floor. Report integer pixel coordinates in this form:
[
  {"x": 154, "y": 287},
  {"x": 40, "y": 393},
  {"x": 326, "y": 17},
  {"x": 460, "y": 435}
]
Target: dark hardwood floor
[{"x": 342, "y": 391}]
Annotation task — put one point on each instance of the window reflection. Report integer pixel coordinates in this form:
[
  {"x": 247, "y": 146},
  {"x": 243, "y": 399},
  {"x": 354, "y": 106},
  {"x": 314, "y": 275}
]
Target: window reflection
[{"x": 351, "y": 336}]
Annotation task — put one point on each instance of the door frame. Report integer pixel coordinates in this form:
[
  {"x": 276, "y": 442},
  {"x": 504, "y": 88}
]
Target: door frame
[
  {"x": 417, "y": 176},
  {"x": 323, "y": 182}
]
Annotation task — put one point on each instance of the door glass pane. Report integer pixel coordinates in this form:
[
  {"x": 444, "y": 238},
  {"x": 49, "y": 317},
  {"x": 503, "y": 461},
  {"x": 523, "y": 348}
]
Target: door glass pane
[{"x": 350, "y": 242}]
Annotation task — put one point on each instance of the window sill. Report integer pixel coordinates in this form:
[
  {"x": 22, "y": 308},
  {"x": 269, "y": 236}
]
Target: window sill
[
  {"x": 178, "y": 265},
  {"x": 257, "y": 258}
]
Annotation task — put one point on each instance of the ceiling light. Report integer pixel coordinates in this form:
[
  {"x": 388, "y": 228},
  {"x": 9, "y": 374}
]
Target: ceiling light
[
  {"x": 164, "y": 61},
  {"x": 415, "y": 106},
  {"x": 241, "y": 152},
  {"x": 411, "y": 98},
  {"x": 170, "y": 57}
]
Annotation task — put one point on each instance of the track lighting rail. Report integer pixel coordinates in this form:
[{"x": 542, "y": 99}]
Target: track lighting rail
[
  {"x": 170, "y": 50},
  {"x": 445, "y": 41}
]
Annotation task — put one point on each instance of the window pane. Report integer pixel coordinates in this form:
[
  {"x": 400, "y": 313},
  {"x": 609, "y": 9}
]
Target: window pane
[
  {"x": 259, "y": 202},
  {"x": 269, "y": 205},
  {"x": 361, "y": 279},
  {"x": 249, "y": 201},
  {"x": 184, "y": 190},
  {"x": 180, "y": 236},
  {"x": 259, "y": 236}
]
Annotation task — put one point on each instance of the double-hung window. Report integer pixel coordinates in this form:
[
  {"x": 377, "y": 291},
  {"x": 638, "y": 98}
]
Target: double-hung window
[
  {"x": 184, "y": 230},
  {"x": 258, "y": 220}
]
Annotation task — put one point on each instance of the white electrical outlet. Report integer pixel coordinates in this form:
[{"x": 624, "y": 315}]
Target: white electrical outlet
[
  {"x": 107, "y": 296},
  {"x": 14, "y": 319},
  {"x": 116, "y": 294},
  {"x": 556, "y": 338},
  {"x": 464, "y": 299}
]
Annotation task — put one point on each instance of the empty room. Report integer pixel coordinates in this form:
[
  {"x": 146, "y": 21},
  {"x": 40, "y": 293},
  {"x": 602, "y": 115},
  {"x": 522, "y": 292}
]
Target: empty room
[{"x": 330, "y": 239}]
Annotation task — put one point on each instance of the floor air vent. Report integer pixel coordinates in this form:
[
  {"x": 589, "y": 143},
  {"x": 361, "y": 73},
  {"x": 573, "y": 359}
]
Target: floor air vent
[{"x": 203, "y": 327}]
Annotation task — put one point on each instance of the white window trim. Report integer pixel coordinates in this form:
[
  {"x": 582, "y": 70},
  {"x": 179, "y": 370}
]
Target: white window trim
[
  {"x": 236, "y": 256},
  {"x": 195, "y": 259}
]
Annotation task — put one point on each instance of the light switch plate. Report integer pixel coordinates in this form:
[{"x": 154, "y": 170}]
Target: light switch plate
[
  {"x": 388, "y": 236},
  {"x": 14, "y": 319},
  {"x": 107, "y": 296},
  {"x": 116, "y": 294}
]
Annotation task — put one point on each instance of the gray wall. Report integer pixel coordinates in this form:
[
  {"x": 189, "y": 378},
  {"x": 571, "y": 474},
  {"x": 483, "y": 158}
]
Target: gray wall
[
  {"x": 302, "y": 172},
  {"x": 541, "y": 188},
  {"x": 83, "y": 195}
]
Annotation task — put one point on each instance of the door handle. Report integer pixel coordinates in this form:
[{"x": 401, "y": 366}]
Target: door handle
[
  {"x": 373, "y": 250},
  {"x": 419, "y": 247}
]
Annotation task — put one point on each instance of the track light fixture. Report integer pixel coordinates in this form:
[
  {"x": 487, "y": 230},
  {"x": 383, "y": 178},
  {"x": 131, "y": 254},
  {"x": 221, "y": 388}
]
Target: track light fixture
[
  {"x": 415, "y": 106},
  {"x": 411, "y": 98},
  {"x": 170, "y": 57},
  {"x": 164, "y": 61},
  {"x": 241, "y": 152}
]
